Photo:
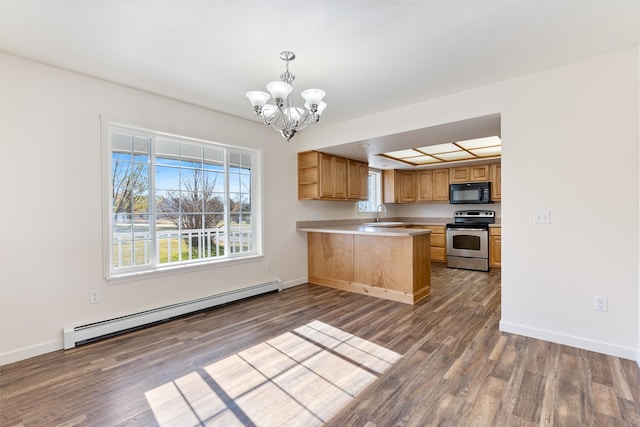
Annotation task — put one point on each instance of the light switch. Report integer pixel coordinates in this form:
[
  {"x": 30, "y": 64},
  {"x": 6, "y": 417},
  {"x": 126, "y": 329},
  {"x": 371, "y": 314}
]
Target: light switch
[{"x": 541, "y": 217}]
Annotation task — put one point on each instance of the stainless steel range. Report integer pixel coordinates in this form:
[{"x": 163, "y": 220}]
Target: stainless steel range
[{"x": 468, "y": 240}]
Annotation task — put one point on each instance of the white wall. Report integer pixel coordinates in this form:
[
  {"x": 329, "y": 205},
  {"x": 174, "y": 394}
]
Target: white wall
[
  {"x": 50, "y": 170},
  {"x": 570, "y": 145}
]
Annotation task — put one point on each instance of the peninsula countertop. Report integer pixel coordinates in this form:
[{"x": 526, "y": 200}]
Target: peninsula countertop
[{"x": 393, "y": 230}]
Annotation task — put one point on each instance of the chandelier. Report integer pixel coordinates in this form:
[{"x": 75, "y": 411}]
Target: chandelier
[{"x": 284, "y": 116}]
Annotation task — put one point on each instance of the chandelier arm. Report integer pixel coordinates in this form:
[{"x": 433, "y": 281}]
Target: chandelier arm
[{"x": 304, "y": 122}]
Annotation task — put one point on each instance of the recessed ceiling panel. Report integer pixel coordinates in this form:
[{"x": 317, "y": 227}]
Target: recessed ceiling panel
[
  {"x": 422, "y": 160},
  {"x": 440, "y": 148},
  {"x": 458, "y": 155},
  {"x": 480, "y": 142},
  {"x": 450, "y": 152},
  {"x": 403, "y": 154},
  {"x": 487, "y": 152}
]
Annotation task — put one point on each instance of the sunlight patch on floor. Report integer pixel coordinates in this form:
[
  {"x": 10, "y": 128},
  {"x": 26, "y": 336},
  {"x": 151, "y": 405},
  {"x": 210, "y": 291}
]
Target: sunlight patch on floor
[{"x": 300, "y": 378}]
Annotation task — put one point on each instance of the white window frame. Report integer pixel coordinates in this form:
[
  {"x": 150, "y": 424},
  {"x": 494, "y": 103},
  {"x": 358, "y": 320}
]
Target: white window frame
[
  {"x": 374, "y": 183},
  {"x": 113, "y": 274}
]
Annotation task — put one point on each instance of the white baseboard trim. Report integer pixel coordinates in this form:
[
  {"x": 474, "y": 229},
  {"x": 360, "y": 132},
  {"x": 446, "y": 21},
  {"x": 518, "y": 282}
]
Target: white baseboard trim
[
  {"x": 294, "y": 282},
  {"x": 571, "y": 340},
  {"x": 29, "y": 352},
  {"x": 139, "y": 319},
  {"x": 80, "y": 334}
]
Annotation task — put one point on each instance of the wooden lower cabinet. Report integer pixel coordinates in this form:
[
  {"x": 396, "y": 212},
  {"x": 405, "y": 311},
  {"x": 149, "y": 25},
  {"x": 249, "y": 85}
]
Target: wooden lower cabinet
[
  {"x": 396, "y": 268},
  {"x": 438, "y": 246},
  {"x": 438, "y": 243},
  {"x": 495, "y": 247}
]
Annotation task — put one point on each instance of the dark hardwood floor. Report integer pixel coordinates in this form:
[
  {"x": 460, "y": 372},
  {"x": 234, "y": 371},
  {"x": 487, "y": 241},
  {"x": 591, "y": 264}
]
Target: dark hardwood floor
[{"x": 297, "y": 358}]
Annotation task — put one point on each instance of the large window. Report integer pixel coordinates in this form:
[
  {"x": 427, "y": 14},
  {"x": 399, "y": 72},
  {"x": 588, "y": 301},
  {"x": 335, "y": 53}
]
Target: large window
[
  {"x": 375, "y": 193},
  {"x": 177, "y": 201}
]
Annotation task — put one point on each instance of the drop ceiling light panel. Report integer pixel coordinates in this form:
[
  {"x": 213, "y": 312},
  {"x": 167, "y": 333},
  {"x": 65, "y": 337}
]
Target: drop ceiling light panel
[
  {"x": 403, "y": 154},
  {"x": 422, "y": 160},
  {"x": 487, "y": 152},
  {"x": 457, "y": 155},
  {"x": 440, "y": 148},
  {"x": 479, "y": 142},
  {"x": 449, "y": 152}
]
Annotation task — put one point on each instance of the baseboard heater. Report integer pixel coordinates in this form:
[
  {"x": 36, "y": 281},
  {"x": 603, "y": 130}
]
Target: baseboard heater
[{"x": 93, "y": 331}]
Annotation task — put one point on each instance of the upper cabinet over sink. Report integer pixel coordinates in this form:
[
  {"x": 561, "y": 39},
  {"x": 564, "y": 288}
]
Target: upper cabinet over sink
[{"x": 323, "y": 176}]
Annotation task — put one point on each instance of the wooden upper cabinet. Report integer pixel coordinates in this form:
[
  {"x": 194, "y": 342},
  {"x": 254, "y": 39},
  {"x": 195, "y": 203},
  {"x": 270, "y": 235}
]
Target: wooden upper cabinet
[
  {"x": 474, "y": 173},
  {"x": 405, "y": 186},
  {"x": 496, "y": 181},
  {"x": 399, "y": 186},
  {"x": 433, "y": 185},
  {"x": 357, "y": 180},
  {"x": 479, "y": 173},
  {"x": 353, "y": 183},
  {"x": 440, "y": 185},
  {"x": 339, "y": 177},
  {"x": 459, "y": 174},
  {"x": 328, "y": 177},
  {"x": 363, "y": 181},
  {"x": 425, "y": 185}
]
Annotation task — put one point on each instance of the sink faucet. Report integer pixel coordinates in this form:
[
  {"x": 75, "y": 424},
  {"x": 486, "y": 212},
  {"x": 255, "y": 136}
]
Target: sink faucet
[{"x": 380, "y": 210}]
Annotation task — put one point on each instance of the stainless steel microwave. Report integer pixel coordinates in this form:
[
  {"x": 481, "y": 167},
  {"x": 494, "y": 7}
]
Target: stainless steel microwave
[{"x": 470, "y": 192}]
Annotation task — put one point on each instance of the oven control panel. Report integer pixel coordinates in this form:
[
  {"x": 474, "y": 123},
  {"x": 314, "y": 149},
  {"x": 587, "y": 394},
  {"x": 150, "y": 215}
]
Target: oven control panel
[{"x": 474, "y": 214}]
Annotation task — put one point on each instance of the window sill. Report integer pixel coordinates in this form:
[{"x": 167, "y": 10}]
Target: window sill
[{"x": 181, "y": 269}]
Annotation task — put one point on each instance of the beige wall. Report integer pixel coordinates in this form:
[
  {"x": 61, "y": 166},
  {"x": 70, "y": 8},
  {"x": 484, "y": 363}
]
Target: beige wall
[{"x": 570, "y": 140}]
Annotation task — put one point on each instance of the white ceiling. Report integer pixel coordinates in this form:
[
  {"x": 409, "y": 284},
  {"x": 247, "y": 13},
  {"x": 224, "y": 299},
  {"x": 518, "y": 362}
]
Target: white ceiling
[{"x": 369, "y": 56}]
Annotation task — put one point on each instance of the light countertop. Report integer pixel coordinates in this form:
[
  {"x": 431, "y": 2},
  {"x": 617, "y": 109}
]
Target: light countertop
[{"x": 366, "y": 230}]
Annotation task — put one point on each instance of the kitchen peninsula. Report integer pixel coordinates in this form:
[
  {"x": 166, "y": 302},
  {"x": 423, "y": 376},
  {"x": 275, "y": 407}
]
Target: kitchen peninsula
[{"x": 385, "y": 262}]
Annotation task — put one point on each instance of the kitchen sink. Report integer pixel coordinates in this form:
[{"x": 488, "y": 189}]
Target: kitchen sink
[{"x": 384, "y": 224}]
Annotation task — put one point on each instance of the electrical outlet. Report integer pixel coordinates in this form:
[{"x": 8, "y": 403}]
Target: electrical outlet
[
  {"x": 94, "y": 297},
  {"x": 541, "y": 217},
  {"x": 267, "y": 265},
  {"x": 601, "y": 304}
]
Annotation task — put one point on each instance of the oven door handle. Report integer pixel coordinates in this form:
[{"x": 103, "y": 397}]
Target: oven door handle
[{"x": 467, "y": 229}]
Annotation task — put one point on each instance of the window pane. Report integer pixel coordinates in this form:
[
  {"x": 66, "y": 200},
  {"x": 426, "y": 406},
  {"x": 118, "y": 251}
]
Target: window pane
[
  {"x": 183, "y": 220},
  {"x": 240, "y": 233},
  {"x": 191, "y": 155},
  {"x": 167, "y": 152},
  {"x": 167, "y": 178},
  {"x": 213, "y": 181},
  {"x": 375, "y": 193},
  {"x": 213, "y": 157},
  {"x": 191, "y": 179},
  {"x": 130, "y": 200}
]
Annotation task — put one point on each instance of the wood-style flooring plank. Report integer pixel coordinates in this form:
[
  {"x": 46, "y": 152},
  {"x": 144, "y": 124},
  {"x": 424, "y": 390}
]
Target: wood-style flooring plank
[{"x": 456, "y": 368}]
